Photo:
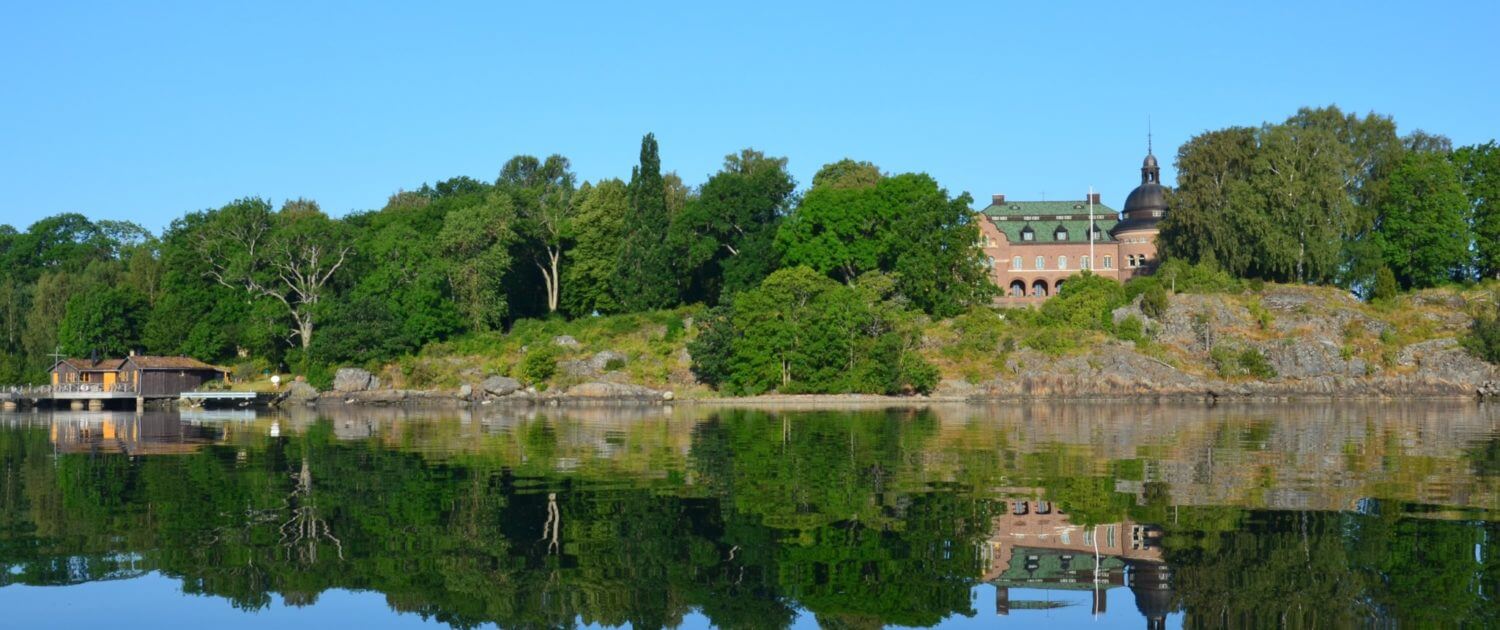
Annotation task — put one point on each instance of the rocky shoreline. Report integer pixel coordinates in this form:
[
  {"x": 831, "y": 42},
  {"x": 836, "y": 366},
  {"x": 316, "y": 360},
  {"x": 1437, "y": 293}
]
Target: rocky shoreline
[{"x": 1085, "y": 385}]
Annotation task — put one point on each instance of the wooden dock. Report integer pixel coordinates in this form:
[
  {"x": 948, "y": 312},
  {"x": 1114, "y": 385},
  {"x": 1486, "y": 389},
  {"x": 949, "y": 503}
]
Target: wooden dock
[{"x": 96, "y": 395}]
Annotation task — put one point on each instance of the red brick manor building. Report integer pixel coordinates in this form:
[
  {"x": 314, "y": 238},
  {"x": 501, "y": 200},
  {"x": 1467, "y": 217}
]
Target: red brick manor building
[{"x": 1033, "y": 247}]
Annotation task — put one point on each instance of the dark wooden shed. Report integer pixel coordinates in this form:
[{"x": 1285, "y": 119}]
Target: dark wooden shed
[{"x": 162, "y": 377}]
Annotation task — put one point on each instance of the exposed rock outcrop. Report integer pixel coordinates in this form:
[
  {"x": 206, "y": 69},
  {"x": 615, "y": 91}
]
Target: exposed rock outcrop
[{"x": 348, "y": 380}]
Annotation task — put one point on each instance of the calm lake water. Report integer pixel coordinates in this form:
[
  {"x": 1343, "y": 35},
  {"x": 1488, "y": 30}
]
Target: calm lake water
[{"x": 1069, "y": 515}]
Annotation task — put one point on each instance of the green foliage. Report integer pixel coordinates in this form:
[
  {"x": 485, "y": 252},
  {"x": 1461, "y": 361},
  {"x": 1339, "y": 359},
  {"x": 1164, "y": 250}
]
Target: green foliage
[
  {"x": 1229, "y": 363},
  {"x": 1154, "y": 301},
  {"x": 106, "y": 322},
  {"x": 598, "y": 231},
  {"x": 1386, "y": 288},
  {"x": 539, "y": 365},
  {"x": 1205, "y": 277},
  {"x": 906, "y": 226},
  {"x": 1131, "y": 329},
  {"x": 1085, "y": 302},
  {"x": 800, "y": 332},
  {"x": 1422, "y": 233},
  {"x": 475, "y": 242},
  {"x": 1298, "y": 192},
  {"x": 1483, "y": 339},
  {"x": 726, "y": 233},
  {"x": 645, "y": 273},
  {"x": 1479, "y": 171}
]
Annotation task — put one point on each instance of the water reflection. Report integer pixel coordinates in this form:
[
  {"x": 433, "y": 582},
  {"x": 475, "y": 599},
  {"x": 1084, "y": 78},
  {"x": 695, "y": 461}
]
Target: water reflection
[{"x": 1320, "y": 515}]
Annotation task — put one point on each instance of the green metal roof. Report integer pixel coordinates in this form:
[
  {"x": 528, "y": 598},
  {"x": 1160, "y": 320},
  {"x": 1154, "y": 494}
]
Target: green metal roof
[
  {"x": 1044, "y": 217},
  {"x": 1047, "y": 209}
]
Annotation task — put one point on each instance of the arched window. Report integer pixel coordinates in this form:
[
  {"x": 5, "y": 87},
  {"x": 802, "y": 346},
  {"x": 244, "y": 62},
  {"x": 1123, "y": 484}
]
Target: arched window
[
  {"x": 1061, "y": 234},
  {"x": 1057, "y": 287},
  {"x": 1039, "y": 288},
  {"x": 1062, "y": 262},
  {"x": 1041, "y": 262},
  {"x": 1084, "y": 262},
  {"x": 1027, "y": 234},
  {"x": 1018, "y": 288},
  {"x": 1015, "y": 263}
]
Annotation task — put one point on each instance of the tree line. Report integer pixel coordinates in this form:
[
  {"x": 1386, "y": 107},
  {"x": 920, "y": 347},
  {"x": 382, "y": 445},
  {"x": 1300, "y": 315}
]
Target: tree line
[
  {"x": 291, "y": 286},
  {"x": 1329, "y": 197}
]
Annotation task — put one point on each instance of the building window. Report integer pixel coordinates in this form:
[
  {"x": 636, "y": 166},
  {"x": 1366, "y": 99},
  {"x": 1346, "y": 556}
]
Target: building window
[
  {"x": 1109, "y": 262},
  {"x": 1015, "y": 263},
  {"x": 1084, "y": 262},
  {"x": 1027, "y": 234},
  {"x": 991, "y": 261},
  {"x": 1060, "y": 235},
  {"x": 1041, "y": 262},
  {"x": 1062, "y": 262}
]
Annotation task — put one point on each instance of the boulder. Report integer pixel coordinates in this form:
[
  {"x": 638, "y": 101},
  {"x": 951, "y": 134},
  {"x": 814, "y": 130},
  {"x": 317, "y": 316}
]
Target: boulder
[
  {"x": 300, "y": 391},
  {"x": 466, "y": 391},
  {"x": 566, "y": 341},
  {"x": 612, "y": 391},
  {"x": 500, "y": 385},
  {"x": 378, "y": 397},
  {"x": 601, "y": 360},
  {"x": 348, "y": 380}
]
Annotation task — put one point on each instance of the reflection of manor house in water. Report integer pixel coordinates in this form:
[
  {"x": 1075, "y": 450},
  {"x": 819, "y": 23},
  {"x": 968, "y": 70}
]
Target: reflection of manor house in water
[{"x": 1034, "y": 545}]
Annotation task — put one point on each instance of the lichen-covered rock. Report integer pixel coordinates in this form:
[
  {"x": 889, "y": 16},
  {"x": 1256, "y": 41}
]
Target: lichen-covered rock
[
  {"x": 348, "y": 380},
  {"x": 301, "y": 391},
  {"x": 566, "y": 341},
  {"x": 601, "y": 361},
  {"x": 1311, "y": 359},
  {"x": 615, "y": 391},
  {"x": 378, "y": 396},
  {"x": 500, "y": 385}
]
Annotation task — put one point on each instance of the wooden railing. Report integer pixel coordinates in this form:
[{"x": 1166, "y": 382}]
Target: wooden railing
[{"x": 71, "y": 388}]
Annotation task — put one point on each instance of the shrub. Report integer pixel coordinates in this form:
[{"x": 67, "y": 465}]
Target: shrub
[
  {"x": 1254, "y": 363},
  {"x": 539, "y": 365},
  {"x": 978, "y": 330},
  {"x": 1385, "y": 288},
  {"x": 1052, "y": 341},
  {"x": 1249, "y": 361},
  {"x": 1204, "y": 277},
  {"x": 1484, "y": 336},
  {"x": 1086, "y": 301},
  {"x": 1154, "y": 302},
  {"x": 1131, "y": 329}
]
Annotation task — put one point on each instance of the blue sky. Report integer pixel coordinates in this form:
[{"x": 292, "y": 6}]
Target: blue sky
[{"x": 144, "y": 111}]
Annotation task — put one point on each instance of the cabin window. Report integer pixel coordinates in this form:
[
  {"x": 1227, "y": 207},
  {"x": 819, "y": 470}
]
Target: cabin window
[
  {"x": 1027, "y": 234},
  {"x": 1060, "y": 235}
]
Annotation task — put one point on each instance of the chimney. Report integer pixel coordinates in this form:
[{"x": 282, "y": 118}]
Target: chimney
[
  {"x": 998, "y": 200},
  {"x": 132, "y": 353},
  {"x": 1094, "y": 198}
]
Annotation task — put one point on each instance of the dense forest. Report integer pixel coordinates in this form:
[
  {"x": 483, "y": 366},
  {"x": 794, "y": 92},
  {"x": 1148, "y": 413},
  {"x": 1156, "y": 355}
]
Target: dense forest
[{"x": 825, "y": 288}]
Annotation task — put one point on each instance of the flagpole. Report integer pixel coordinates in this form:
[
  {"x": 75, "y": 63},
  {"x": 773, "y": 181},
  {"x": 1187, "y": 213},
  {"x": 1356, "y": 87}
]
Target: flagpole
[{"x": 1092, "y": 262}]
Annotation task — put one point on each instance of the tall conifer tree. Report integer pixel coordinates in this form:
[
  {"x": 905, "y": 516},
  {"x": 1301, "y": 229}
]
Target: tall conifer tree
[{"x": 644, "y": 278}]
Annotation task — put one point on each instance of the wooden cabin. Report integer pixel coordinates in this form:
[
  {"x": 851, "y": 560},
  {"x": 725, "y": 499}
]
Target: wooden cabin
[
  {"x": 105, "y": 372},
  {"x": 167, "y": 377},
  {"x": 141, "y": 375}
]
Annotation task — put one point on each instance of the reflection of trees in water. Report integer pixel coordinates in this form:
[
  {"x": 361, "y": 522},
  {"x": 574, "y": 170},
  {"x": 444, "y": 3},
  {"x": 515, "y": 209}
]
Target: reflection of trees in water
[
  {"x": 303, "y": 532},
  {"x": 856, "y": 518}
]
